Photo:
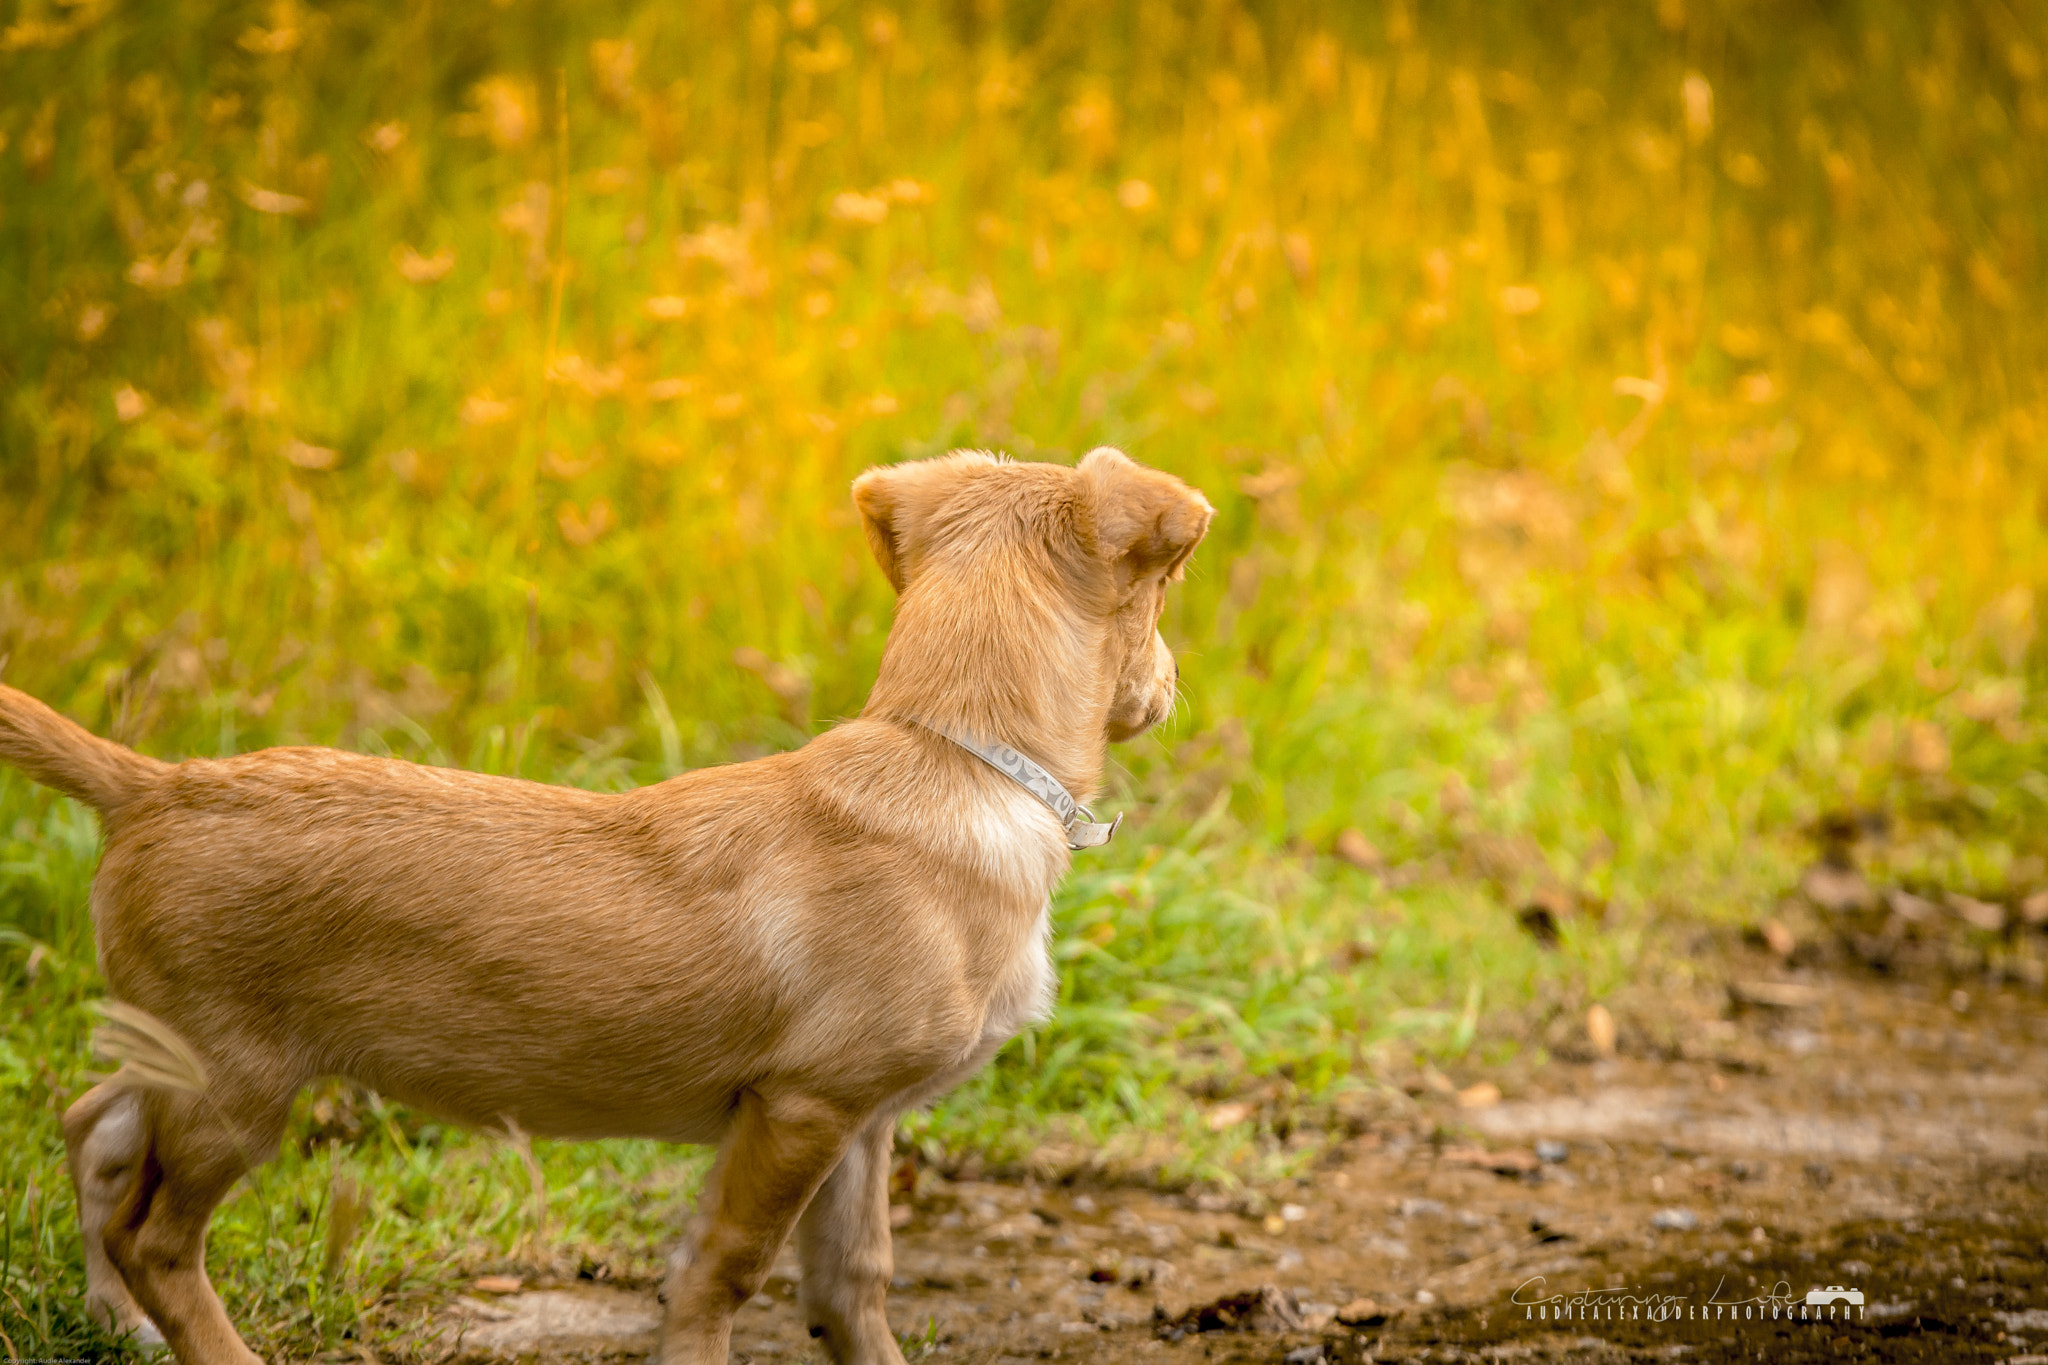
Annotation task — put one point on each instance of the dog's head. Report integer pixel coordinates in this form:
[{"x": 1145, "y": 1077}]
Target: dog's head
[{"x": 1070, "y": 562}]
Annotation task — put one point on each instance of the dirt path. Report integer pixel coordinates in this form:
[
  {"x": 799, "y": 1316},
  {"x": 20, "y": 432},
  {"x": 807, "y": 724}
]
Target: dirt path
[{"x": 1886, "y": 1137}]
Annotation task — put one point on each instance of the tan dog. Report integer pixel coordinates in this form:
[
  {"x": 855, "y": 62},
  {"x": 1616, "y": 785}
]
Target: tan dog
[{"x": 776, "y": 956}]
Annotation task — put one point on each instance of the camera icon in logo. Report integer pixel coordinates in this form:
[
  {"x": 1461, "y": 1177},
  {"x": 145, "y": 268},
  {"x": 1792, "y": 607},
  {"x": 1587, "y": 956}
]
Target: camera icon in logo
[{"x": 1834, "y": 1293}]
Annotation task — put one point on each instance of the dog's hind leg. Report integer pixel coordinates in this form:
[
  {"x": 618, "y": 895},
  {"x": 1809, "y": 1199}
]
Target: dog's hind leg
[
  {"x": 195, "y": 1148},
  {"x": 103, "y": 1144},
  {"x": 844, "y": 1245}
]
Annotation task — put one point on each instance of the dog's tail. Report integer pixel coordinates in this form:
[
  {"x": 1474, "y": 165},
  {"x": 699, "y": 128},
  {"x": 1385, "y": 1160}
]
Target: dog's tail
[
  {"x": 150, "y": 1053},
  {"x": 59, "y": 753}
]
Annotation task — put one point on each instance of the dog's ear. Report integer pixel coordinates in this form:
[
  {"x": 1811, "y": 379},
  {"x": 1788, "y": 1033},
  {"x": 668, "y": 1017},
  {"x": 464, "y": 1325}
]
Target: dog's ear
[
  {"x": 875, "y": 497},
  {"x": 896, "y": 501},
  {"x": 1146, "y": 521}
]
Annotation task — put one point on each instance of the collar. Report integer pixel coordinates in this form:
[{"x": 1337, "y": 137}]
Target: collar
[{"x": 1083, "y": 830}]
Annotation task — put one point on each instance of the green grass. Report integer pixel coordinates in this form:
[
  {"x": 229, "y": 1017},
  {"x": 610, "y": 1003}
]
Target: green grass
[{"x": 1626, "y": 432}]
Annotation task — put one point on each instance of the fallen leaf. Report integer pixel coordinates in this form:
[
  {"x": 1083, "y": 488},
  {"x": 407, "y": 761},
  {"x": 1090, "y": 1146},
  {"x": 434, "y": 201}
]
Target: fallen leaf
[
  {"x": 418, "y": 269},
  {"x": 1926, "y": 748},
  {"x": 1481, "y": 1096},
  {"x": 1512, "y": 1161},
  {"x": 1354, "y": 848},
  {"x": 1600, "y": 1030},
  {"x": 853, "y": 207},
  {"x": 274, "y": 201},
  {"x": 309, "y": 456},
  {"x": 1228, "y": 1115},
  {"x": 1777, "y": 937}
]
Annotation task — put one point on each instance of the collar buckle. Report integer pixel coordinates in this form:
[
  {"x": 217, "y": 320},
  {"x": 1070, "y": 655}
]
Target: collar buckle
[{"x": 1088, "y": 832}]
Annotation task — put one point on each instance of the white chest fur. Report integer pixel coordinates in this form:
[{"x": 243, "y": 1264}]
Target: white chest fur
[
  {"x": 1017, "y": 843},
  {"x": 1012, "y": 838},
  {"x": 1025, "y": 991}
]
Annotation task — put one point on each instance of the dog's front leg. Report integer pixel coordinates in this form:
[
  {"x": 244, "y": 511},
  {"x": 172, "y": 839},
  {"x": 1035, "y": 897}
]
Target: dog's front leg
[
  {"x": 843, "y": 1243},
  {"x": 779, "y": 1149}
]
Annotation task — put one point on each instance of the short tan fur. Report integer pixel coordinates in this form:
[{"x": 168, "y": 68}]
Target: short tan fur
[{"x": 776, "y": 956}]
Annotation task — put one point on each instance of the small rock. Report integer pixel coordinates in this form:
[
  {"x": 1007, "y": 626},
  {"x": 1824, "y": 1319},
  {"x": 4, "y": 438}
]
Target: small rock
[
  {"x": 1292, "y": 1213},
  {"x": 1911, "y": 908},
  {"x": 1305, "y": 1355},
  {"x": 1265, "y": 1309},
  {"x": 1421, "y": 1208},
  {"x": 1316, "y": 1316},
  {"x": 1362, "y": 1313},
  {"x": 1675, "y": 1220},
  {"x": 1083, "y": 1204},
  {"x": 1145, "y": 1272},
  {"x": 1484, "y": 1095},
  {"x": 1775, "y": 995},
  {"x": 1977, "y": 914},
  {"x": 1552, "y": 1151},
  {"x": 1835, "y": 889},
  {"x": 1423, "y": 1296}
]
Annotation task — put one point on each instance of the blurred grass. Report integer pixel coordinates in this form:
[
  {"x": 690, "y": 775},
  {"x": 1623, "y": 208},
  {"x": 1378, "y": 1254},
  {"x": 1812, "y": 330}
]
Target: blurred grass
[{"x": 1626, "y": 429}]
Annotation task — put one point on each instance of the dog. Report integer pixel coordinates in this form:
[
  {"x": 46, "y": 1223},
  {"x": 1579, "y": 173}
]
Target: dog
[{"x": 777, "y": 956}]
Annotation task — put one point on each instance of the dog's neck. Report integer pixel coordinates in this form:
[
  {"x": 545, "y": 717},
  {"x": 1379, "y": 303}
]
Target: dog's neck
[{"x": 1005, "y": 664}]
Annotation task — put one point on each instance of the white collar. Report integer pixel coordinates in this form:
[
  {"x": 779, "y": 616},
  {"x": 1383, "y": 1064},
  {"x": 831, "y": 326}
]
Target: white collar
[{"x": 1080, "y": 824}]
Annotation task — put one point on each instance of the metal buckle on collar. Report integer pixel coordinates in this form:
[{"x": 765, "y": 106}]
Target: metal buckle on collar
[{"x": 1085, "y": 831}]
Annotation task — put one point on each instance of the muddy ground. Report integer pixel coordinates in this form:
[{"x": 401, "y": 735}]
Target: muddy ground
[{"x": 1888, "y": 1137}]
